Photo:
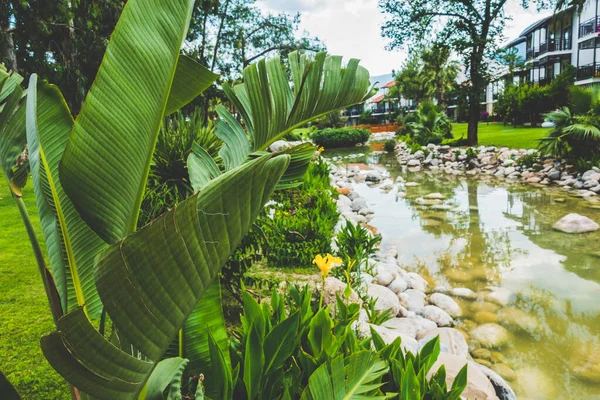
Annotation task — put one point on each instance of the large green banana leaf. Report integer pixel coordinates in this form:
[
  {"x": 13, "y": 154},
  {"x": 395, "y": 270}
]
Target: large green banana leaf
[
  {"x": 271, "y": 108},
  {"x": 70, "y": 243},
  {"x": 192, "y": 341},
  {"x": 12, "y": 127},
  {"x": 105, "y": 166},
  {"x": 151, "y": 281},
  {"x": 354, "y": 378}
]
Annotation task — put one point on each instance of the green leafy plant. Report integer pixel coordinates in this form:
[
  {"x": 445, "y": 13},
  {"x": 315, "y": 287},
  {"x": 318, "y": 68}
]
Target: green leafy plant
[
  {"x": 168, "y": 180},
  {"x": 343, "y": 137},
  {"x": 142, "y": 287},
  {"x": 303, "y": 220},
  {"x": 407, "y": 374},
  {"x": 430, "y": 125},
  {"x": 389, "y": 146}
]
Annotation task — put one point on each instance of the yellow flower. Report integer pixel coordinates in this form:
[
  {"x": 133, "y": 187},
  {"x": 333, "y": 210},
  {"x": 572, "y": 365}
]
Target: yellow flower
[
  {"x": 321, "y": 149},
  {"x": 325, "y": 263}
]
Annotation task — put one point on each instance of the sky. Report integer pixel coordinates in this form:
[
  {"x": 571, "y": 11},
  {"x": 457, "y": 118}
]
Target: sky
[{"x": 352, "y": 28}]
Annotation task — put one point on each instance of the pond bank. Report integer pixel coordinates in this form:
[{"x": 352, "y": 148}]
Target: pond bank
[{"x": 480, "y": 232}]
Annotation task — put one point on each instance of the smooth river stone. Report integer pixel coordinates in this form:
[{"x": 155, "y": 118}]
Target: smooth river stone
[
  {"x": 451, "y": 340},
  {"x": 465, "y": 293},
  {"x": 575, "y": 223},
  {"x": 446, "y": 303},
  {"x": 484, "y": 306},
  {"x": 491, "y": 335},
  {"x": 484, "y": 317},
  {"x": 386, "y": 299},
  {"x": 519, "y": 320},
  {"x": 406, "y": 326},
  {"x": 437, "y": 315}
]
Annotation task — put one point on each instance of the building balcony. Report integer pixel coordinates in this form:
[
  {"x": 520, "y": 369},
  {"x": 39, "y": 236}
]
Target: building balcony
[
  {"x": 588, "y": 71},
  {"x": 559, "y": 45},
  {"x": 529, "y": 54},
  {"x": 543, "y": 48},
  {"x": 590, "y": 26}
]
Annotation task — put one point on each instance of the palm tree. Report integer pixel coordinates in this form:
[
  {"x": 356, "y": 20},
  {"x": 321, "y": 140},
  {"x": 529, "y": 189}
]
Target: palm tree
[
  {"x": 573, "y": 136},
  {"x": 439, "y": 72},
  {"x": 430, "y": 124}
]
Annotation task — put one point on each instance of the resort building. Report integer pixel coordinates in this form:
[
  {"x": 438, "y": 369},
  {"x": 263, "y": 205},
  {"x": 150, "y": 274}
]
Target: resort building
[{"x": 547, "y": 46}]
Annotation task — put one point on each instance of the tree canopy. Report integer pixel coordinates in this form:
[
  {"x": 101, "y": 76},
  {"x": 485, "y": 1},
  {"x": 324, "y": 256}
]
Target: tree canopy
[{"x": 472, "y": 28}]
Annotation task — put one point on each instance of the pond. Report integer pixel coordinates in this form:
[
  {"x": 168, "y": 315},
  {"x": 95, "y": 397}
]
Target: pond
[{"x": 491, "y": 233}]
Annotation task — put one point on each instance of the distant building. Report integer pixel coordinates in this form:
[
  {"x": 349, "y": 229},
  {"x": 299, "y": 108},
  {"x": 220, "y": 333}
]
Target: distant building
[
  {"x": 552, "y": 43},
  {"x": 381, "y": 108}
]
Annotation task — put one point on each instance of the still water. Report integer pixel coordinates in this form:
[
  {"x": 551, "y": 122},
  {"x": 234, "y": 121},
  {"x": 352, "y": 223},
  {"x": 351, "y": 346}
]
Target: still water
[{"x": 491, "y": 233}]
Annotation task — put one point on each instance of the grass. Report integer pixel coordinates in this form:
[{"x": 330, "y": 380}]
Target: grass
[
  {"x": 24, "y": 311},
  {"x": 496, "y": 134}
]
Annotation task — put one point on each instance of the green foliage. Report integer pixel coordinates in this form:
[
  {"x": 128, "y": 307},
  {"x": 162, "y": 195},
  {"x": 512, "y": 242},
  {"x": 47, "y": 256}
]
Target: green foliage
[
  {"x": 168, "y": 181},
  {"x": 344, "y": 137},
  {"x": 356, "y": 242},
  {"x": 528, "y": 161},
  {"x": 303, "y": 220},
  {"x": 430, "y": 125},
  {"x": 574, "y": 136},
  {"x": 366, "y": 117},
  {"x": 389, "y": 145},
  {"x": 407, "y": 374},
  {"x": 290, "y": 347},
  {"x": 331, "y": 120}
]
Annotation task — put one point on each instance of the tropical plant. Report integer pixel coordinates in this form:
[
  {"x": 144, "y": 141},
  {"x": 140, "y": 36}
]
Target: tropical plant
[
  {"x": 303, "y": 220},
  {"x": 89, "y": 177},
  {"x": 439, "y": 72},
  {"x": 342, "y": 137},
  {"x": 168, "y": 180},
  {"x": 573, "y": 136},
  {"x": 389, "y": 146},
  {"x": 431, "y": 125}
]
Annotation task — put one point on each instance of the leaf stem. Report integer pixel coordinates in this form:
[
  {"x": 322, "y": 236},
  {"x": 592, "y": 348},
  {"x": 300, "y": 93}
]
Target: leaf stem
[{"x": 47, "y": 279}]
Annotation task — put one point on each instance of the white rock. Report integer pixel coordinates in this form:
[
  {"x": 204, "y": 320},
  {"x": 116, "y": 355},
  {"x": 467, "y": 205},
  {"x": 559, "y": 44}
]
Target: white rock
[
  {"x": 406, "y": 326},
  {"x": 398, "y": 285},
  {"x": 389, "y": 335},
  {"x": 499, "y": 295},
  {"x": 421, "y": 324},
  {"x": 413, "y": 163},
  {"x": 413, "y": 300},
  {"x": 464, "y": 293},
  {"x": 279, "y": 145},
  {"x": 575, "y": 223},
  {"x": 446, "y": 303},
  {"x": 491, "y": 335},
  {"x": 384, "y": 278},
  {"x": 438, "y": 196},
  {"x": 451, "y": 340},
  {"x": 478, "y": 385},
  {"x": 333, "y": 287},
  {"x": 437, "y": 315},
  {"x": 386, "y": 299},
  {"x": 417, "y": 282},
  {"x": 358, "y": 204}
]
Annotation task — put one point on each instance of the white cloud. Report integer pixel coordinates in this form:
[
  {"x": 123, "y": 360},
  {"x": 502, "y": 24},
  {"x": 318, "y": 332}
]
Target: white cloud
[{"x": 352, "y": 28}]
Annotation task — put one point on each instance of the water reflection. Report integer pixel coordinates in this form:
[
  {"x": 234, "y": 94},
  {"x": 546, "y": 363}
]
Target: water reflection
[{"x": 489, "y": 233}]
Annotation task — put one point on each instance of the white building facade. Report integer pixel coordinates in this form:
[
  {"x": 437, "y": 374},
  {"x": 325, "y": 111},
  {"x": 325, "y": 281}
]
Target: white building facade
[{"x": 552, "y": 43}]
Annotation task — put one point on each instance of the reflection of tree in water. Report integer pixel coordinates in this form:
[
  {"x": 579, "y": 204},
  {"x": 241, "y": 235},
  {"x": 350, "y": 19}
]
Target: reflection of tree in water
[
  {"x": 483, "y": 254},
  {"x": 537, "y": 212}
]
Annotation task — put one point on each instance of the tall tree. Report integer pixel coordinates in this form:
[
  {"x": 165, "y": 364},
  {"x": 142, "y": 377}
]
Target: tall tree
[
  {"x": 408, "y": 82},
  {"x": 63, "y": 40},
  {"x": 470, "y": 27},
  {"x": 439, "y": 72}
]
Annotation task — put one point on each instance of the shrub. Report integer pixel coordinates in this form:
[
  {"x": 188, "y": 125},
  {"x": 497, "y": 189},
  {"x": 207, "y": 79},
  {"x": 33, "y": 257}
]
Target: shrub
[
  {"x": 430, "y": 125},
  {"x": 389, "y": 145},
  {"x": 344, "y": 137},
  {"x": 303, "y": 220}
]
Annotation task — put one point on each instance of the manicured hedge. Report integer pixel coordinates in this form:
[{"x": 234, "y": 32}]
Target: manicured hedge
[{"x": 341, "y": 137}]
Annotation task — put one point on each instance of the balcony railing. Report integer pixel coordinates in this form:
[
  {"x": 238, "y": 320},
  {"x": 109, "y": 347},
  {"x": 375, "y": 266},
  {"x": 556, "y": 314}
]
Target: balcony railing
[
  {"x": 588, "y": 71},
  {"x": 590, "y": 26},
  {"x": 529, "y": 54},
  {"x": 559, "y": 45},
  {"x": 379, "y": 110},
  {"x": 543, "y": 48}
]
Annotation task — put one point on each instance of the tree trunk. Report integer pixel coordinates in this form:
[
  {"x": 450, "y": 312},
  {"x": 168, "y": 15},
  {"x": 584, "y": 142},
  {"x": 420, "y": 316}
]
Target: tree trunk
[
  {"x": 473, "y": 119},
  {"x": 7, "y": 51}
]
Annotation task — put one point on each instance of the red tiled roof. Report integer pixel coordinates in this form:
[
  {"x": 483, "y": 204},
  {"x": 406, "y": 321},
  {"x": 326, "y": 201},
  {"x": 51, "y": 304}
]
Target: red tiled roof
[
  {"x": 377, "y": 99},
  {"x": 389, "y": 84}
]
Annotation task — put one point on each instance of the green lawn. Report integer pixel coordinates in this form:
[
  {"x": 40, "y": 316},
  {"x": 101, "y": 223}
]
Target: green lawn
[
  {"x": 496, "y": 134},
  {"x": 24, "y": 312}
]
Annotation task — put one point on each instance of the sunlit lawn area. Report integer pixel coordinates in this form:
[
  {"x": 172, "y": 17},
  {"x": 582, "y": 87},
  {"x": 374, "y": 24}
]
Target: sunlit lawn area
[
  {"x": 496, "y": 134},
  {"x": 24, "y": 312}
]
